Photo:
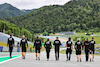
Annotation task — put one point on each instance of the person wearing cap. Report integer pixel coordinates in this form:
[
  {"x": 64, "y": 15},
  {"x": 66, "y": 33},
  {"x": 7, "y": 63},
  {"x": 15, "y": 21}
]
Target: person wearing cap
[
  {"x": 23, "y": 44},
  {"x": 37, "y": 45},
  {"x": 48, "y": 46},
  {"x": 86, "y": 46},
  {"x": 78, "y": 47},
  {"x": 92, "y": 49},
  {"x": 69, "y": 48},
  {"x": 57, "y": 44},
  {"x": 10, "y": 43}
]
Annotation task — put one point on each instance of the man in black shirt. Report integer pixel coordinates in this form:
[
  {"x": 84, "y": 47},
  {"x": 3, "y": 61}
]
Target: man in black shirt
[
  {"x": 78, "y": 47},
  {"x": 37, "y": 45},
  {"x": 23, "y": 44},
  {"x": 69, "y": 48},
  {"x": 48, "y": 46},
  {"x": 92, "y": 49},
  {"x": 10, "y": 43},
  {"x": 86, "y": 45},
  {"x": 57, "y": 44}
]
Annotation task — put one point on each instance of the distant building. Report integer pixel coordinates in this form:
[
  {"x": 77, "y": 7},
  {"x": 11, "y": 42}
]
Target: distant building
[{"x": 67, "y": 33}]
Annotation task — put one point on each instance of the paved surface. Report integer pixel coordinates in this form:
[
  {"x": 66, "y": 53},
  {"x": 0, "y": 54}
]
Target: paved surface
[
  {"x": 31, "y": 62},
  {"x": 5, "y": 54}
]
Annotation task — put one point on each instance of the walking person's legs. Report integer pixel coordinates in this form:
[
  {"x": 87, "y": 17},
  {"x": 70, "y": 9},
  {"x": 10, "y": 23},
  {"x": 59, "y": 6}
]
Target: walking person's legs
[
  {"x": 56, "y": 54},
  {"x": 80, "y": 58},
  {"x": 47, "y": 56},
  {"x": 10, "y": 50},
  {"x": 67, "y": 55}
]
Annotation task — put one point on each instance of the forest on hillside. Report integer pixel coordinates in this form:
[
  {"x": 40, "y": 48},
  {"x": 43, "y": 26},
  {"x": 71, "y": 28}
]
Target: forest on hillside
[
  {"x": 76, "y": 15},
  {"x": 12, "y": 28}
]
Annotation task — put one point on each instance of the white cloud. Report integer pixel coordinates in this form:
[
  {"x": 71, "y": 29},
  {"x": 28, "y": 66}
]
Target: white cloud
[{"x": 31, "y": 4}]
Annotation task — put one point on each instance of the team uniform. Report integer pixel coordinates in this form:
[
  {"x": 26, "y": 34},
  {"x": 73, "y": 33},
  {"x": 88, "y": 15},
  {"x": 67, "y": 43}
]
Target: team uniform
[
  {"x": 87, "y": 46},
  {"x": 48, "y": 46},
  {"x": 92, "y": 44},
  {"x": 37, "y": 45},
  {"x": 78, "y": 47},
  {"x": 69, "y": 49},
  {"x": 10, "y": 43},
  {"x": 23, "y": 44},
  {"x": 57, "y": 44}
]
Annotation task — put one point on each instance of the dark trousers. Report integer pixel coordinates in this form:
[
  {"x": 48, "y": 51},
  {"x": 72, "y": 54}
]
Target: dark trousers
[
  {"x": 68, "y": 54},
  {"x": 10, "y": 50},
  {"x": 87, "y": 55},
  {"x": 57, "y": 54},
  {"x": 48, "y": 55}
]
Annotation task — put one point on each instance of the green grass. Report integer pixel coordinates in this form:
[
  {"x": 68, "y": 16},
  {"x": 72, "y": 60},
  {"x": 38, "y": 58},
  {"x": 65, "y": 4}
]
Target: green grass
[
  {"x": 79, "y": 35},
  {"x": 64, "y": 52},
  {"x": 96, "y": 38},
  {"x": 83, "y": 33}
]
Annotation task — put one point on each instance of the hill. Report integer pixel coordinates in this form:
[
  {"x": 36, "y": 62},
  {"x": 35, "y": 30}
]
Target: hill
[
  {"x": 76, "y": 15},
  {"x": 7, "y": 10}
]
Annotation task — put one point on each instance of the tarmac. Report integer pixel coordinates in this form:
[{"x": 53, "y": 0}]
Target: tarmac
[{"x": 31, "y": 61}]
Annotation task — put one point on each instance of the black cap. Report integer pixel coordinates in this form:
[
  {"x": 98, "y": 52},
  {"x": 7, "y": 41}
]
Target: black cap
[
  {"x": 37, "y": 37},
  {"x": 92, "y": 37},
  {"x": 10, "y": 34}
]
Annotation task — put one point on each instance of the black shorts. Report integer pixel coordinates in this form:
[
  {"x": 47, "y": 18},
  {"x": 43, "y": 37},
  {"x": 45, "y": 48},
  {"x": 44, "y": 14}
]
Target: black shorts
[
  {"x": 37, "y": 50},
  {"x": 68, "y": 51},
  {"x": 23, "y": 49},
  {"x": 92, "y": 51},
  {"x": 78, "y": 52}
]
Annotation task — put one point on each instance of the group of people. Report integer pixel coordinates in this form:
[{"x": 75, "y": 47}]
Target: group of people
[
  {"x": 89, "y": 49},
  {"x": 79, "y": 46}
]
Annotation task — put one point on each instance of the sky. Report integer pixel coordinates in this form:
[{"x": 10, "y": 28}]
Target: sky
[{"x": 33, "y": 4}]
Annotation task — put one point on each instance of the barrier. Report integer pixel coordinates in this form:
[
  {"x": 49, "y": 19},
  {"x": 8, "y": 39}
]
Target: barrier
[
  {"x": 18, "y": 49},
  {"x": 1, "y": 48}
]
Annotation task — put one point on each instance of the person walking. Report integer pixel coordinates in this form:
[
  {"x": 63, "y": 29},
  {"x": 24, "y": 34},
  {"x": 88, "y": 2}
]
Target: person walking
[
  {"x": 78, "y": 48},
  {"x": 23, "y": 44},
  {"x": 92, "y": 48},
  {"x": 57, "y": 44},
  {"x": 37, "y": 45},
  {"x": 69, "y": 48},
  {"x": 48, "y": 46},
  {"x": 10, "y": 43},
  {"x": 86, "y": 46}
]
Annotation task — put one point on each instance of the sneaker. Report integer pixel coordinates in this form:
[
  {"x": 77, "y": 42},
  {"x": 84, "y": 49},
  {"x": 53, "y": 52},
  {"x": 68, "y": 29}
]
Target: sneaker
[
  {"x": 86, "y": 61},
  {"x": 36, "y": 58},
  {"x": 67, "y": 59},
  {"x": 10, "y": 57},
  {"x": 77, "y": 60},
  {"x": 90, "y": 59},
  {"x": 56, "y": 58},
  {"x": 23, "y": 57},
  {"x": 47, "y": 59},
  {"x": 80, "y": 60},
  {"x": 39, "y": 58}
]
